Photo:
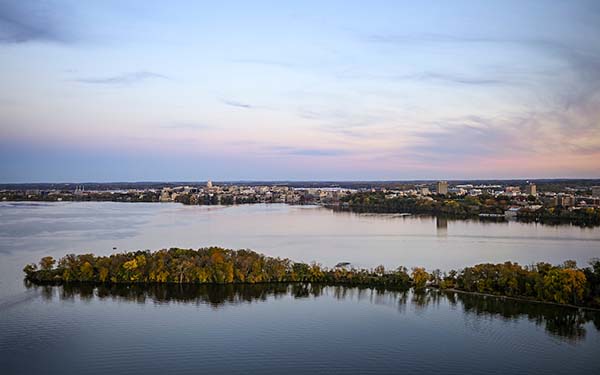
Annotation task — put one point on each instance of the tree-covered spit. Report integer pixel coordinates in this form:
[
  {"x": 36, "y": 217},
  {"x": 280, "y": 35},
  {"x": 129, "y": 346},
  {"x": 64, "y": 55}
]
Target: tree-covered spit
[
  {"x": 211, "y": 265},
  {"x": 563, "y": 284},
  {"x": 466, "y": 206}
]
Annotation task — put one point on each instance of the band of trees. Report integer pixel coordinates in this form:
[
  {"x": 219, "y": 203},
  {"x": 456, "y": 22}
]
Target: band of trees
[
  {"x": 461, "y": 207},
  {"x": 564, "y": 284}
]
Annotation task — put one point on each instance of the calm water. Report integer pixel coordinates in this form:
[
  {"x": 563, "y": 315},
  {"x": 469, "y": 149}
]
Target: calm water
[
  {"x": 289, "y": 329},
  {"x": 271, "y": 329}
]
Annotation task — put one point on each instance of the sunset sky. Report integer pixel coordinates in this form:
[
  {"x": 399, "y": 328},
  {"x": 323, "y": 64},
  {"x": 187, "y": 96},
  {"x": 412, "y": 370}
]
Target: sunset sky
[{"x": 337, "y": 90}]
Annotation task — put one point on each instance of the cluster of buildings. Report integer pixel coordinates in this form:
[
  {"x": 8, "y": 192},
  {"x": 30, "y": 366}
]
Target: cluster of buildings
[
  {"x": 443, "y": 188},
  {"x": 521, "y": 197},
  {"x": 237, "y": 194}
]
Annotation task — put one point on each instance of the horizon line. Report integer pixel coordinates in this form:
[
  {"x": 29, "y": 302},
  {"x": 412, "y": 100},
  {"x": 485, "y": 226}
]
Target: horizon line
[{"x": 301, "y": 180}]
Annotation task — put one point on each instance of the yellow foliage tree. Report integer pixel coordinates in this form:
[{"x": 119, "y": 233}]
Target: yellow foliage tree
[{"x": 420, "y": 277}]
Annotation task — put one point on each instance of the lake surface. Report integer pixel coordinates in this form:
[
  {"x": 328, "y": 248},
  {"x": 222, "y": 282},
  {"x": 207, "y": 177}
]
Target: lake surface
[
  {"x": 293, "y": 329},
  {"x": 277, "y": 328}
]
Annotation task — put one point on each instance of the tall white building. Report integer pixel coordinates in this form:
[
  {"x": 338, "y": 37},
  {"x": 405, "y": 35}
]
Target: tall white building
[
  {"x": 442, "y": 187},
  {"x": 531, "y": 189},
  {"x": 209, "y": 184}
]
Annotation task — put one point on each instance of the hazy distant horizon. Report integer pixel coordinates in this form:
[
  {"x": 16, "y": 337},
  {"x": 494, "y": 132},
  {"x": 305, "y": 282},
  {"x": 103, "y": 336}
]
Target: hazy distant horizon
[
  {"x": 293, "y": 180},
  {"x": 251, "y": 181}
]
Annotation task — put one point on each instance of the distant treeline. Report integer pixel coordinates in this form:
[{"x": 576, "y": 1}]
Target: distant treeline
[
  {"x": 464, "y": 207},
  {"x": 589, "y": 216},
  {"x": 564, "y": 284},
  {"x": 69, "y": 196}
]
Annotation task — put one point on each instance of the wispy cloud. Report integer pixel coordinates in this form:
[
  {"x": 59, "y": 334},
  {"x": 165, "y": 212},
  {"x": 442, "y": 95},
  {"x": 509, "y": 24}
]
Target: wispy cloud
[
  {"x": 288, "y": 150},
  {"x": 123, "y": 79},
  {"x": 434, "y": 77},
  {"x": 185, "y": 125},
  {"x": 341, "y": 118},
  {"x": 451, "y": 78},
  {"x": 535, "y": 135},
  {"x": 463, "y": 142},
  {"x": 417, "y": 38},
  {"x": 318, "y": 152},
  {"x": 281, "y": 64},
  {"x": 567, "y": 84},
  {"x": 234, "y": 103},
  {"x": 27, "y": 21},
  {"x": 582, "y": 59}
]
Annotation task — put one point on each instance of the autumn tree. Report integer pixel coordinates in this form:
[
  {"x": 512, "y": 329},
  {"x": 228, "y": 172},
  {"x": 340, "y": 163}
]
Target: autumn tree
[
  {"x": 420, "y": 277},
  {"x": 46, "y": 263}
]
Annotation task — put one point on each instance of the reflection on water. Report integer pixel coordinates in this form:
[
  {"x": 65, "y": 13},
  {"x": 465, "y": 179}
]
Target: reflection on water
[
  {"x": 441, "y": 225},
  {"x": 560, "y": 321}
]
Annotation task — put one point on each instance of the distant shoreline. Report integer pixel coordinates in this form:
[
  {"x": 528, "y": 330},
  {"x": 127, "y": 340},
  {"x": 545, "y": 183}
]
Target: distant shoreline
[{"x": 359, "y": 211}]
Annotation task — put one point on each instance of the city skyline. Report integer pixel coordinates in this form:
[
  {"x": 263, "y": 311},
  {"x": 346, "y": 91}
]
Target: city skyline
[{"x": 105, "y": 91}]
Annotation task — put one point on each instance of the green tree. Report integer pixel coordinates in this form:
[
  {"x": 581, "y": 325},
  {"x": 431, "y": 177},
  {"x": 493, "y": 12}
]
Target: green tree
[{"x": 30, "y": 269}]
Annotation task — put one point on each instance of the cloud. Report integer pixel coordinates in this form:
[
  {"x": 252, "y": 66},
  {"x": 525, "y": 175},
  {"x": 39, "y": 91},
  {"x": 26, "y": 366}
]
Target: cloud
[
  {"x": 532, "y": 136},
  {"x": 403, "y": 39},
  {"x": 294, "y": 151},
  {"x": 343, "y": 119},
  {"x": 500, "y": 77},
  {"x": 564, "y": 88},
  {"x": 234, "y": 103},
  {"x": 318, "y": 152},
  {"x": 434, "y": 38},
  {"x": 466, "y": 139},
  {"x": 580, "y": 58},
  {"x": 123, "y": 79},
  {"x": 281, "y": 64},
  {"x": 185, "y": 125},
  {"x": 27, "y": 21},
  {"x": 451, "y": 78}
]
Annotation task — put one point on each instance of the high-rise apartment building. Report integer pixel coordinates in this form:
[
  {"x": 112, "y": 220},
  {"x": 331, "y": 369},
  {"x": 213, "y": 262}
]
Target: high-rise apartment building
[
  {"x": 531, "y": 189},
  {"x": 442, "y": 187}
]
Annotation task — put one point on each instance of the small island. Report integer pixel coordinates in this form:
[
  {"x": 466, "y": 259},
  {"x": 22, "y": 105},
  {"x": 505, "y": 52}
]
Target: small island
[{"x": 563, "y": 284}]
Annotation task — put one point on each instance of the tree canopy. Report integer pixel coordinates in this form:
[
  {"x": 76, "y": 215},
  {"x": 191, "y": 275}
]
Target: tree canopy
[{"x": 564, "y": 284}]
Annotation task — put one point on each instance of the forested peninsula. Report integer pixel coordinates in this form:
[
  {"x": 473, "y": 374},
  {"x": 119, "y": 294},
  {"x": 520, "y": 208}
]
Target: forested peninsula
[
  {"x": 465, "y": 207},
  {"x": 562, "y": 284}
]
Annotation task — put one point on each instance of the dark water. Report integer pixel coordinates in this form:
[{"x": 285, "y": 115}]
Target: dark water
[
  {"x": 283, "y": 328},
  {"x": 289, "y": 329}
]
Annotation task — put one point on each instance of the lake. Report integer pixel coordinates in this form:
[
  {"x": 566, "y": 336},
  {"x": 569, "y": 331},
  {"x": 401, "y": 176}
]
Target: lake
[{"x": 283, "y": 328}]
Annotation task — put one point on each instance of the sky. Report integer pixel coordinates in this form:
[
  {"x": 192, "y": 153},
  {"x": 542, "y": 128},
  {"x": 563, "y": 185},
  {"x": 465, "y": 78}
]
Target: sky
[{"x": 308, "y": 90}]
